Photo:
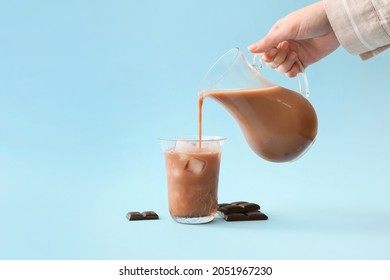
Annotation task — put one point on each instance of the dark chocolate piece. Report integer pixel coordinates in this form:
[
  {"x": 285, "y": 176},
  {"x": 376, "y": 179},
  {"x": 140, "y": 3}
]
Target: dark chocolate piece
[
  {"x": 238, "y": 202},
  {"x": 237, "y": 207},
  {"x": 256, "y": 215},
  {"x": 150, "y": 215},
  {"x": 234, "y": 217},
  {"x": 248, "y": 216},
  {"x": 222, "y": 204},
  {"x": 137, "y": 216},
  {"x": 248, "y": 206},
  {"x": 230, "y": 208},
  {"x": 134, "y": 216},
  {"x": 241, "y": 211}
]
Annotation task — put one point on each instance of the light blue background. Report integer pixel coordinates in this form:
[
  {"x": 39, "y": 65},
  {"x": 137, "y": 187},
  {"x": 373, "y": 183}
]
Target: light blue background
[{"x": 87, "y": 87}]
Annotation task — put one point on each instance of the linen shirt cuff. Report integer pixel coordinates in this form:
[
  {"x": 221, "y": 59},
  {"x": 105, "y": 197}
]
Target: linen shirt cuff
[{"x": 358, "y": 26}]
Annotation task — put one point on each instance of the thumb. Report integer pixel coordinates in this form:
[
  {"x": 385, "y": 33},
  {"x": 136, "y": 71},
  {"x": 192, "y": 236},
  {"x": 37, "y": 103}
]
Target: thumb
[{"x": 279, "y": 32}]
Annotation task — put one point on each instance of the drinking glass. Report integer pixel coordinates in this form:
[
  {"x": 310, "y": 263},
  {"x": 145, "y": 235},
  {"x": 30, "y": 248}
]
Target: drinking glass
[{"x": 192, "y": 169}]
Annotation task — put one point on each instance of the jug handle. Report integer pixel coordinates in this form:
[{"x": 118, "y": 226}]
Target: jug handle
[{"x": 301, "y": 75}]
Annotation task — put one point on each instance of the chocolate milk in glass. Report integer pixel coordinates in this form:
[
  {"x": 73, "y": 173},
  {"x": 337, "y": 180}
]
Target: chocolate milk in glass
[
  {"x": 192, "y": 176},
  {"x": 278, "y": 124}
]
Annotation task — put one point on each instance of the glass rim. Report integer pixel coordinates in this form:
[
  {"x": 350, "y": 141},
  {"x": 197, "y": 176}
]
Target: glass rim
[{"x": 191, "y": 138}]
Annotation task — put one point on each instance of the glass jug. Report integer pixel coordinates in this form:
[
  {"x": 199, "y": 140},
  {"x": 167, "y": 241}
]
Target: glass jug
[{"x": 278, "y": 124}]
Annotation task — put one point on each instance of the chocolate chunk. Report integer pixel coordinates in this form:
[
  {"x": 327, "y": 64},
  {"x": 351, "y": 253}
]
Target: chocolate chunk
[
  {"x": 222, "y": 204},
  {"x": 150, "y": 215},
  {"x": 248, "y": 206},
  {"x": 248, "y": 216},
  {"x": 146, "y": 215},
  {"x": 234, "y": 217},
  {"x": 256, "y": 215},
  {"x": 230, "y": 208},
  {"x": 133, "y": 216},
  {"x": 238, "y": 202},
  {"x": 241, "y": 211},
  {"x": 237, "y": 207}
]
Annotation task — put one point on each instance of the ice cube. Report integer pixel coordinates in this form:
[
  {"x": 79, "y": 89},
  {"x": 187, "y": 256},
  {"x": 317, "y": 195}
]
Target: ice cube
[
  {"x": 185, "y": 146},
  {"x": 211, "y": 146},
  {"x": 195, "y": 165}
]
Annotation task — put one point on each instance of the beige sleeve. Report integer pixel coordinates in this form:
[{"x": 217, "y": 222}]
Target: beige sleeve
[{"x": 361, "y": 26}]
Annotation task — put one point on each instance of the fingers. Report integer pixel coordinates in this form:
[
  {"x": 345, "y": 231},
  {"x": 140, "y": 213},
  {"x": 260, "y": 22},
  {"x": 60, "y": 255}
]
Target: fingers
[
  {"x": 269, "y": 41},
  {"x": 279, "y": 57},
  {"x": 294, "y": 71},
  {"x": 286, "y": 65},
  {"x": 282, "y": 59}
]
